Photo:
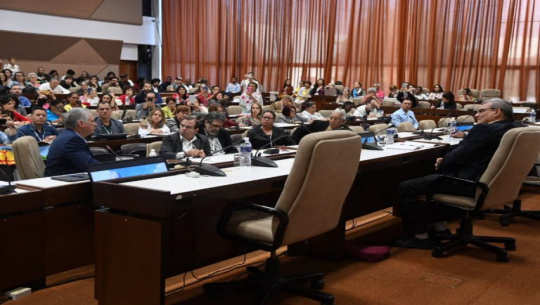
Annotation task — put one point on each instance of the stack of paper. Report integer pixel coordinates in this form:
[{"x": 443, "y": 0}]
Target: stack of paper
[{"x": 409, "y": 145}]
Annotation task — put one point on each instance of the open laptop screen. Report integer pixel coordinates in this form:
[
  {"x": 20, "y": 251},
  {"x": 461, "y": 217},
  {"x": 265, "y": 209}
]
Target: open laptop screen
[
  {"x": 464, "y": 127},
  {"x": 128, "y": 168}
]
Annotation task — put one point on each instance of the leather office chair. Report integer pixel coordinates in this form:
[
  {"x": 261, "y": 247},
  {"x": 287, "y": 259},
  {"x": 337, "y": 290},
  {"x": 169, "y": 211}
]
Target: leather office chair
[
  {"x": 116, "y": 115},
  {"x": 474, "y": 107},
  {"x": 444, "y": 122},
  {"x": 509, "y": 212},
  {"x": 426, "y": 124},
  {"x": 499, "y": 185},
  {"x": 459, "y": 106},
  {"x": 469, "y": 118},
  {"x": 28, "y": 160},
  {"x": 236, "y": 137},
  {"x": 377, "y": 127},
  {"x": 389, "y": 102},
  {"x": 357, "y": 129},
  {"x": 101, "y": 154},
  {"x": 135, "y": 149},
  {"x": 234, "y": 109},
  {"x": 405, "y": 127},
  {"x": 154, "y": 145},
  {"x": 304, "y": 210},
  {"x": 326, "y": 113},
  {"x": 424, "y": 105},
  {"x": 488, "y": 94}
]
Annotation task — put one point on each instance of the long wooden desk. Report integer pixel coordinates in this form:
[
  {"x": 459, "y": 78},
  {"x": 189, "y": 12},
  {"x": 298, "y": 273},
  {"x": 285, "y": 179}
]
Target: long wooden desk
[{"x": 155, "y": 228}]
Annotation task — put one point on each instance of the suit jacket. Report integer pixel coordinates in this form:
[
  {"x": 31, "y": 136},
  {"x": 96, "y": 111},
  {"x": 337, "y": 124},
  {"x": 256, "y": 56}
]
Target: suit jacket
[
  {"x": 172, "y": 145},
  {"x": 68, "y": 154},
  {"x": 117, "y": 126},
  {"x": 471, "y": 157},
  {"x": 224, "y": 138},
  {"x": 258, "y": 138}
]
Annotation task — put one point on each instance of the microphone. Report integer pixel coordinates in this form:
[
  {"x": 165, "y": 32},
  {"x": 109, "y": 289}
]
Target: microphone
[
  {"x": 431, "y": 136},
  {"x": 6, "y": 189},
  {"x": 211, "y": 170},
  {"x": 109, "y": 149},
  {"x": 258, "y": 160}
]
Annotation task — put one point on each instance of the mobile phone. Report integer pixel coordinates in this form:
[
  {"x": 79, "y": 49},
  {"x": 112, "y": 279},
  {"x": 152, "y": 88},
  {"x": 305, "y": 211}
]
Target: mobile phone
[
  {"x": 3, "y": 121},
  {"x": 192, "y": 99}
]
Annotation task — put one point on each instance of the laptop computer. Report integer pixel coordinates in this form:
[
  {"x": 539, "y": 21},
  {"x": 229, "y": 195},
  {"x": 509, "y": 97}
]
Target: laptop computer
[{"x": 127, "y": 168}]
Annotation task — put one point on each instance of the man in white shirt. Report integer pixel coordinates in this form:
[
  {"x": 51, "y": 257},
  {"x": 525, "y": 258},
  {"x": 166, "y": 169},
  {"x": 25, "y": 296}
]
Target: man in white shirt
[
  {"x": 53, "y": 87},
  {"x": 186, "y": 143}
]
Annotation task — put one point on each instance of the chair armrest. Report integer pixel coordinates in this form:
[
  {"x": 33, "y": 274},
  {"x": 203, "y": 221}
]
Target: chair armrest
[
  {"x": 443, "y": 180},
  {"x": 238, "y": 205}
]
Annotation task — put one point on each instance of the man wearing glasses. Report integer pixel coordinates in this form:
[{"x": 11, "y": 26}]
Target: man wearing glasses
[
  {"x": 186, "y": 143},
  {"x": 69, "y": 152},
  {"x": 104, "y": 123},
  {"x": 218, "y": 137},
  {"x": 468, "y": 161}
]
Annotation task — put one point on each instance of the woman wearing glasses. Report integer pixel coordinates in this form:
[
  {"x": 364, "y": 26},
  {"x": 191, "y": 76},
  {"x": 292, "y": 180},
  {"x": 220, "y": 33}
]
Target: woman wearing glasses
[{"x": 268, "y": 134}]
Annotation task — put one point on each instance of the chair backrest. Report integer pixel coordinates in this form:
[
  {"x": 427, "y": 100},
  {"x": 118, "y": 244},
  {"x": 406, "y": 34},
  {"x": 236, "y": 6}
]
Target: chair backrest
[
  {"x": 326, "y": 113},
  {"x": 116, "y": 90},
  {"x": 488, "y": 94},
  {"x": 427, "y": 124},
  {"x": 444, "y": 122},
  {"x": 377, "y": 127},
  {"x": 134, "y": 149},
  {"x": 389, "y": 102},
  {"x": 74, "y": 89},
  {"x": 474, "y": 93},
  {"x": 405, "y": 126},
  {"x": 339, "y": 87},
  {"x": 131, "y": 128},
  {"x": 267, "y": 107},
  {"x": 516, "y": 155},
  {"x": 459, "y": 106},
  {"x": 27, "y": 158},
  {"x": 234, "y": 109},
  {"x": 472, "y": 106},
  {"x": 465, "y": 119},
  {"x": 357, "y": 129},
  {"x": 117, "y": 114},
  {"x": 236, "y": 137},
  {"x": 357, "y": 101},
  {"x": 321, "y": 157},
  {"x": 424, "y": 105},
  {"x": 94, "y": 112},
  {"x": 154, "y": 145}
]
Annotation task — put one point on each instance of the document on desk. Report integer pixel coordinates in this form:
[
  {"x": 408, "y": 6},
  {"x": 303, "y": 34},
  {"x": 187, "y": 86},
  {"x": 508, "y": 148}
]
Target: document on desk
[{"x": 409, "y": 145}]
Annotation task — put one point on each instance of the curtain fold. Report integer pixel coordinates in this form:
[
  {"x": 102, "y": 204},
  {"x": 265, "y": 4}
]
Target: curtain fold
[{"x": 477, "y": 44}]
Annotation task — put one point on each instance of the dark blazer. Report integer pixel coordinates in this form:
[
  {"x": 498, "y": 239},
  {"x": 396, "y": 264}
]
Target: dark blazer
[
  {"x": 258, "y": 138},
  {"x": 471, "y": 157},
  {"x": 224, "y": 138},
  {"x": 117, "y": 126},
  {"x": 68, "y": 154},
  {"x": 172, "y": 145}
]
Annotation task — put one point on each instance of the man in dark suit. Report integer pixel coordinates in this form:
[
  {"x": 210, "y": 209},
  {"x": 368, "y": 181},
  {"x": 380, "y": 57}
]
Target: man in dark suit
[
  {"x": 468, "y": 160},
  {"x": 186, "y": 143},
  {"x": 218, "y": 137},
  {"x": 69, "y": 152}
]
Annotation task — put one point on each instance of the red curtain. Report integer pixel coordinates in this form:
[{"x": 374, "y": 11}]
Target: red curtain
[{"x": 457, "y": 43}]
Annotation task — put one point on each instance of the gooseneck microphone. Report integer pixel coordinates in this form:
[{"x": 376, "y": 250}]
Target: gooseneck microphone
[
  {"x": 260, "y": 161},
  {"x": 109, "y": 149},
  {"x": 211, "y": 170}
]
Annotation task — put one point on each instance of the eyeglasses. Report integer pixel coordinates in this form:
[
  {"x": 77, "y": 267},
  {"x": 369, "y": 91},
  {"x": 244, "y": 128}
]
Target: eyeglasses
[
  {"x": 104, "y": 109},
  {"x": 267, "y": 118},
  {"x": 484, "y": 109},
  {"x": 214, "y": 126}
]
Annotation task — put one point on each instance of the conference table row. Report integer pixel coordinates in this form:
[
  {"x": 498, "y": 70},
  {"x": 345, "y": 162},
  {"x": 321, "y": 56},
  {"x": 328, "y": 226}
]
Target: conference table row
[{"x": 140, "y": 231}]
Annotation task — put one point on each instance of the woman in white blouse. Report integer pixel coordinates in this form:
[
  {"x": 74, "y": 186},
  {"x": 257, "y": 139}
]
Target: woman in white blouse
[
  {"x": 156, "y": 123},
  {"x": 310, "y": 114}
]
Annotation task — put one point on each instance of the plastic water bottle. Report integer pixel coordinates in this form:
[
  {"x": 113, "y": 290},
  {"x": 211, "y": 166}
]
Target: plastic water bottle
[
  {"x": 245, "y": 150},
  {"x": 452, "y": 126},
  {"x": 152, "y": 153},
  {"x": 390, "y": 132},
  {"x": 532, "y": 116}
]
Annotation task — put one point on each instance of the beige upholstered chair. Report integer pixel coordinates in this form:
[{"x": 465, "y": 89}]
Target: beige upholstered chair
[
  {"x": 131, "y": 128},
  {"x": 469, "y": 118},
  {"x": 117, "y": 115},
  {"x": 405, "y": 127},
  {"x": 488, "y": 94},
  {"x": 499, "y": 185},
  {"x": 325, "y": 113},
  {"x": 357, "y": 101},
  {"x": 424, "y": 105},
  {"x": 444, "y": 122},
  {"x": 389, "y": 102},
  {"x": 474, "y": 93},
  {"x": 267, "y": 107},
  {"x": 304, "y": 210},
  {"x": 474, "y": 107},
  {"x": 377, "y": 127},
  {"x": 234, "y": 109},
  {"x": 459, "y": 106},
  {"x": 94, "y": 112},
  {"x": 340, "y": 87},
  {"x": 27, "y": 158},
  {"x": 116, "y": 90},
  {"x": 154, "y": 145},
  {"x": 357, "y": 129},
  {"x": 74, "y": 89},
  {"x": 427, "y": 124}
]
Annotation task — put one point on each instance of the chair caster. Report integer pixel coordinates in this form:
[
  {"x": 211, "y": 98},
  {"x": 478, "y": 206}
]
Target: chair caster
[
  {"x": 502, "y": 257},
  {"x": 510, "y": 246},
  {"x": 437, "y": 253},
  {"x": 318, "y": 285}
]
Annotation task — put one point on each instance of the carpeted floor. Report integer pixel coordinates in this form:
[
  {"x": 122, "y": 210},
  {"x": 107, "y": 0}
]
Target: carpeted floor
[{"x": 409, "y": 276}]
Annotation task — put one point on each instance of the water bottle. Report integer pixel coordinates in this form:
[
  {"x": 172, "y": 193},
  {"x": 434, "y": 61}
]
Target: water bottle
[
  {"x": 127, "y": 101},
  {"x": 532, "y": 116},
  {"x": 245, "y": 150},
  {"x": 152, "y": 153},
  {"x": 452, "y": 126},
  {"x": 390, "y": 132}
]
